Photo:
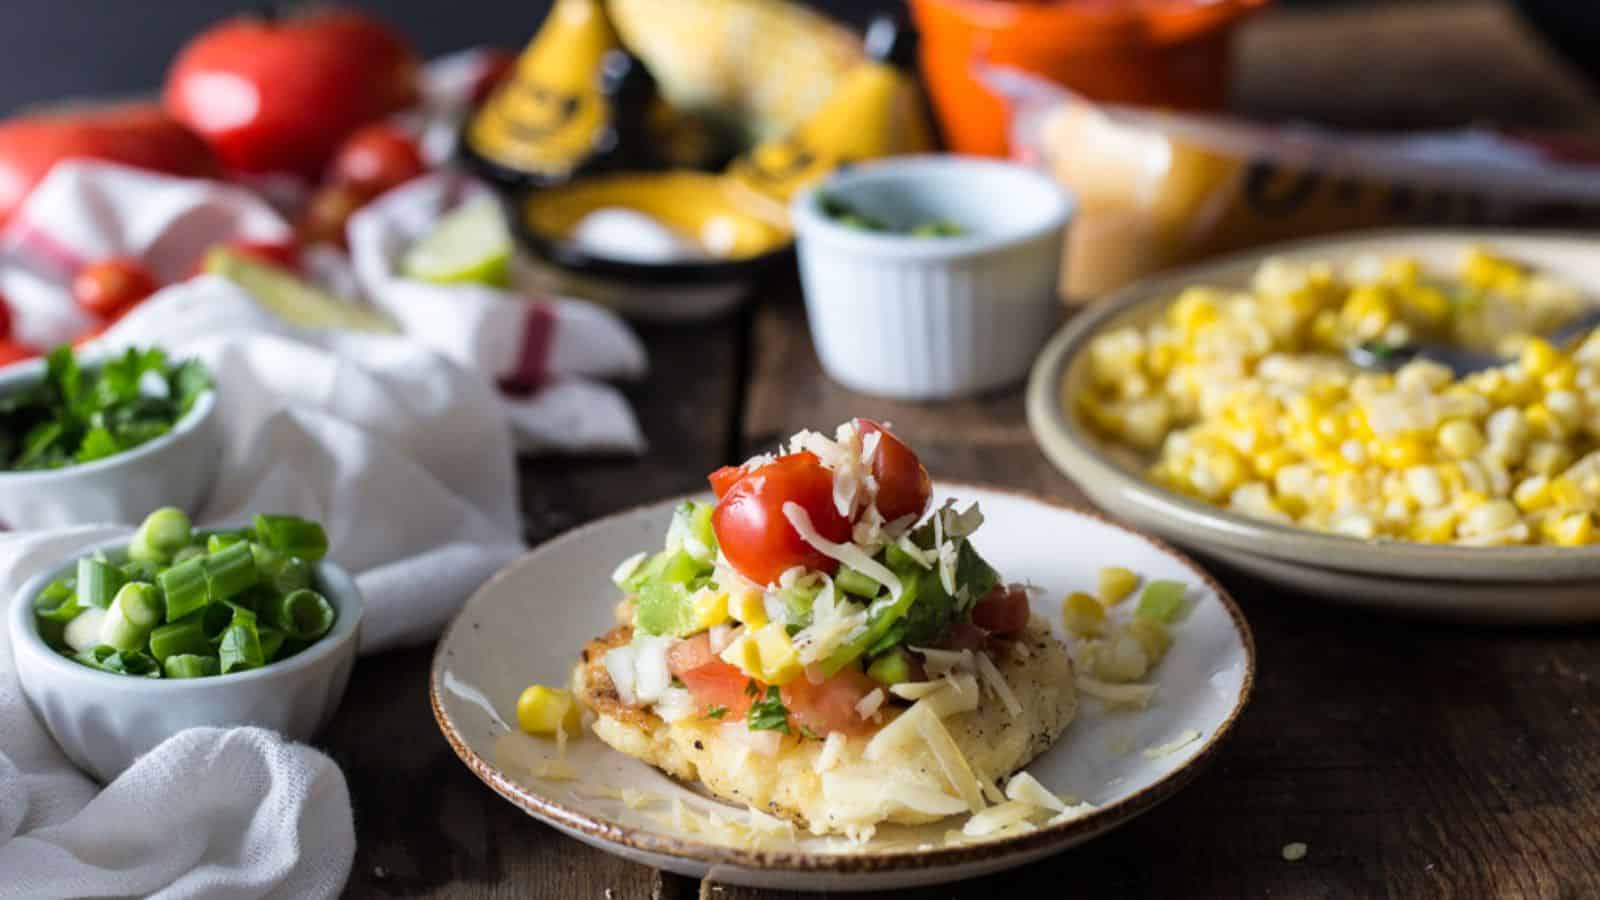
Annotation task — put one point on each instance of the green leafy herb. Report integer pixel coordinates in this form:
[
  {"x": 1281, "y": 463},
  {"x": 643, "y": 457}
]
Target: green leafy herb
[
  {"x": 848, "y": 215},
  {"x": 78, "y": 414},
  {"x": 807, "y": 732},
  {"x": 716, "y": 712},
  {"x": 768, "y": 713}
]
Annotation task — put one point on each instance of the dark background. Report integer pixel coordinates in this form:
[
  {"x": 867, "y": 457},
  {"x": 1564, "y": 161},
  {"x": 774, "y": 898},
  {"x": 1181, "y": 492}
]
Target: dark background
[{"x": 52, "y": 49}]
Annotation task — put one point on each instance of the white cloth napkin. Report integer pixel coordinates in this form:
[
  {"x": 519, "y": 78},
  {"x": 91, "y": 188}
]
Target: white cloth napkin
[
  {"x": 404, "y": 457},
  {"x": 549, "y": 353}
]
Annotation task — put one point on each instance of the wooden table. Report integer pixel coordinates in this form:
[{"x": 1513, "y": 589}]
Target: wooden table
[{"x": 1413, "y": 759}]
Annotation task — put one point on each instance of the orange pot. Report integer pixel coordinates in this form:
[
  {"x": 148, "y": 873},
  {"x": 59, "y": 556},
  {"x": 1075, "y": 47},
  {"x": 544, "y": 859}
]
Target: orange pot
[{"x": 1168, "y": 53}]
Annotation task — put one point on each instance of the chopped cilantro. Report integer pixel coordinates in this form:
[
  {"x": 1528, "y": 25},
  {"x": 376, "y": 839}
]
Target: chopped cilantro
[
  {"x": 716, "y": 712},
  {"x": 769, "y": 713},
  {"x": 752, "y": 688}
]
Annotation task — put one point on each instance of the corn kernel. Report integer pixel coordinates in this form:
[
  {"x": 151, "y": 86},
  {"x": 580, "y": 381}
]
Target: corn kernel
[
  {"x": 1435, "y": 526},
  {"x": 1538, "y": 357},
  {"x": 1083, "y": 615},
  {"x": 1565, "y": 493},
  {"x": 1532, "y": 493},
  {"x": 1460, "y": 439},
  {"x": 1116, "y": 583},
  {"x": 710, "y": 608},
  {"x": 1574, "y": 530},
  {"x": 748, "y": 607},
  {"x": 542, "y": 710}
]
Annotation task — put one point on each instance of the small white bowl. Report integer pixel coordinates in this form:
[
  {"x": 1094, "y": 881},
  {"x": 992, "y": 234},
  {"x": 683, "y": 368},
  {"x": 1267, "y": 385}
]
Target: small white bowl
[
  {"x": 925, "y": 318},
  {"x": 176, "y": 469},
  {"x": 104, "y": 721}
]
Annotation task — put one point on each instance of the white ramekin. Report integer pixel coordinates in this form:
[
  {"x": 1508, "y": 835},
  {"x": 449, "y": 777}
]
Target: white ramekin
[
  {"x": 933, "y": 318},
  {"x": 176, "y": 469},
  {"x": 104, "y": 721}
]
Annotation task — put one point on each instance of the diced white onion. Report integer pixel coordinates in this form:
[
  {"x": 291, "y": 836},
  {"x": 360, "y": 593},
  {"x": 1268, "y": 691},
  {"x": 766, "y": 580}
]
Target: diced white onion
[
  {"x": 619, "y": 662},
  {"x": 676, "y": 704},
  {"x": 627, "y": 567},
  {"x": 650, "y": 675},
  {"x": 868, "y": 706},
  {"x": 762, "y": 743},
  {"x": 721, "y": 636}
]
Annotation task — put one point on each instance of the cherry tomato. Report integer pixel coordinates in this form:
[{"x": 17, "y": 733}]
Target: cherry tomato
[
  {"x": 903, "y": 484},
  {"x": 15, "y": 351},
  {"x": 831, "y": 705},
  {"x": 1003, "y": 611},
  {"x": 723, "y": 478},
  {"x": 5, "y": 319},
  {"x": 751, "y": 528},
  {"x": 93, "y": 332},
  {"x": 378, "y": 157},
  {"x": 711, "y": 681},
  {"x": 110, "y": 287},
  {"x": 331, "y": 207},
  {"x": 962, "y": 636}
]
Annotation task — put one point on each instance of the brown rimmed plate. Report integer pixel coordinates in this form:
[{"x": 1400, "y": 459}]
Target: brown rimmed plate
[{"x": 527, "y": 624}]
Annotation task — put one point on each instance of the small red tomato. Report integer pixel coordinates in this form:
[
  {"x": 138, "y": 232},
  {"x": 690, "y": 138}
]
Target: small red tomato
[
  {"x": 378, "y": 157},
  {"x": 15, "y": 351},
  {"x": 751, "y": 527},
  {"x": 112, "y": 286},
  {"x": 723, "y": 478},
  {"x": 903, "y": 484},
  {"x": 1003, "y": 611},
  {"x": 331, "y": 207}
]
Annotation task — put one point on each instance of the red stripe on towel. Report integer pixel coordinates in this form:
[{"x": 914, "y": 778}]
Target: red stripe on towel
[{"x": 530, "y": 370}]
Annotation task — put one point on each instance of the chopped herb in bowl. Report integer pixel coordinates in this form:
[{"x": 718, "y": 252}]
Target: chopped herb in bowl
[
  {"x": 185, "y": 604},
  {"x": 81, "y": 412},
  {"x": 849, "y": 216}
]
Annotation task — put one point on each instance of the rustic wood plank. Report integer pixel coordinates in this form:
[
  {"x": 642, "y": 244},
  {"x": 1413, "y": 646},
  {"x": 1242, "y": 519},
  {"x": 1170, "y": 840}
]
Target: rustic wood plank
[
  {"x": 1413, "y": 759},
  {"x": 426, "y": 826}
]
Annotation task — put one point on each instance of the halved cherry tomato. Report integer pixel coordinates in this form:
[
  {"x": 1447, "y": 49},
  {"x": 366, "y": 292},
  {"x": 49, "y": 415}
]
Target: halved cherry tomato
[
  {"x": 751, "y": 528},
  {"x": 378, "y": 157},
  {"x": 711, "y": 681},
  {"x": 1003, "y": 611},
  {"x": 903, "y": 484},
  {"x": 723, "y": 478},
  {"x": 15, "y": 351},
  {"x": 962, "y": 636},
  {"x": 831, "y": 705},
  {"x": 112, "y": 286}
]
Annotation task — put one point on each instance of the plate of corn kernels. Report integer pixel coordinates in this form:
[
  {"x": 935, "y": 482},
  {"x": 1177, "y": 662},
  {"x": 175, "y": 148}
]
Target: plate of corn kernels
[{"x": 1305, "y": 413}]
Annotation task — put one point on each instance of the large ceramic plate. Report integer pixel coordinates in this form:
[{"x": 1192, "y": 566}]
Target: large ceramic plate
[
  {"x": 1533, "y": 584},
  {"x": 528, "y": 623}
]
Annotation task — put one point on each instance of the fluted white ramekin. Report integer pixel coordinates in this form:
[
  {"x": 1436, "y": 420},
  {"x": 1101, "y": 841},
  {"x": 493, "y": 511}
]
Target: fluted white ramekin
[{"x": 927, "y": 318}]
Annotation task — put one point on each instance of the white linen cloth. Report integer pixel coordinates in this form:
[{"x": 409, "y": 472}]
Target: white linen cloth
[
  {"x": 548, "y": 352},
  {"x": 404, "y": 457}
]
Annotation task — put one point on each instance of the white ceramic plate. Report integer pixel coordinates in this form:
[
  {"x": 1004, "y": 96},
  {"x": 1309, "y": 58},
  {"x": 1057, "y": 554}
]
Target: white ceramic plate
[
  {"x": 1532, "y": 584},
  {"x": 527, "y": 624}
]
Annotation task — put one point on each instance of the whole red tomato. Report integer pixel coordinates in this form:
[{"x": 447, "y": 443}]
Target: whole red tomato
[
  {"x": 330, "y": 208},
  {"x": 110, "y": 287},
  {"x": 752, "y": 530},
  {"x": 378, "y": 157},
  {"x": 903, "y": 484},
  {"x": 280, "y": 95},
  {"x": 140, "y": 135}
]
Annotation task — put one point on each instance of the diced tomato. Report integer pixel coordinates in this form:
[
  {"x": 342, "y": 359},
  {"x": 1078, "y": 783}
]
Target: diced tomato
[
  {"x": 962, "y": 636},
  {"x": 723, "y": 478},
  {"x": 1003, "y": 611},
  {"x": 755, "y": 535},
  {"x": 711, "y": 681},
  {"x": 903, "y": 484},
  {"x": 831, "y": 705}
]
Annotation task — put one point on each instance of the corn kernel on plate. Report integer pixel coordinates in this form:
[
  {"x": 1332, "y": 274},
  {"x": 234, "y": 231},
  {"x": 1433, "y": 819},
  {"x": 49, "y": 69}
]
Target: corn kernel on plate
[
  {"x": 1216, "y": 406},
  {"x": 1140, "y": 733}
]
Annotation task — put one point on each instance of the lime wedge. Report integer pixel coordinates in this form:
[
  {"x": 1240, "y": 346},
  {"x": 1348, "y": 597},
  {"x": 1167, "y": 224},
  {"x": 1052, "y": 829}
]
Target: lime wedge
[
  {"x": 291, "y": 298},
  {"x": 470, "y": 244}
]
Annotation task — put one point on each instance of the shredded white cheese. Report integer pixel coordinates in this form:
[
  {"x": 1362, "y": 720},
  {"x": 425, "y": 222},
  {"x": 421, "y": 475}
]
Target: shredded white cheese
[
  {"x": 1136, "y": 695},
  {"x": 958, "y": 695},
  {"x": 554, "y": 770},
  {"x": 915, "y": 690},
  {"x": 1075, "y": 811},
  {"x": 997, "y": 817},
  {"x": 1027, "y": 789},
  {"x": 832, "y": 749},
  {"x": 938, "y": 662},
  {"x": 1173, "y": 746},
  {"x": 997, "y": 683},
  {"x": 948, "y": 754},
  {"x": 848, "y": 554}
]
